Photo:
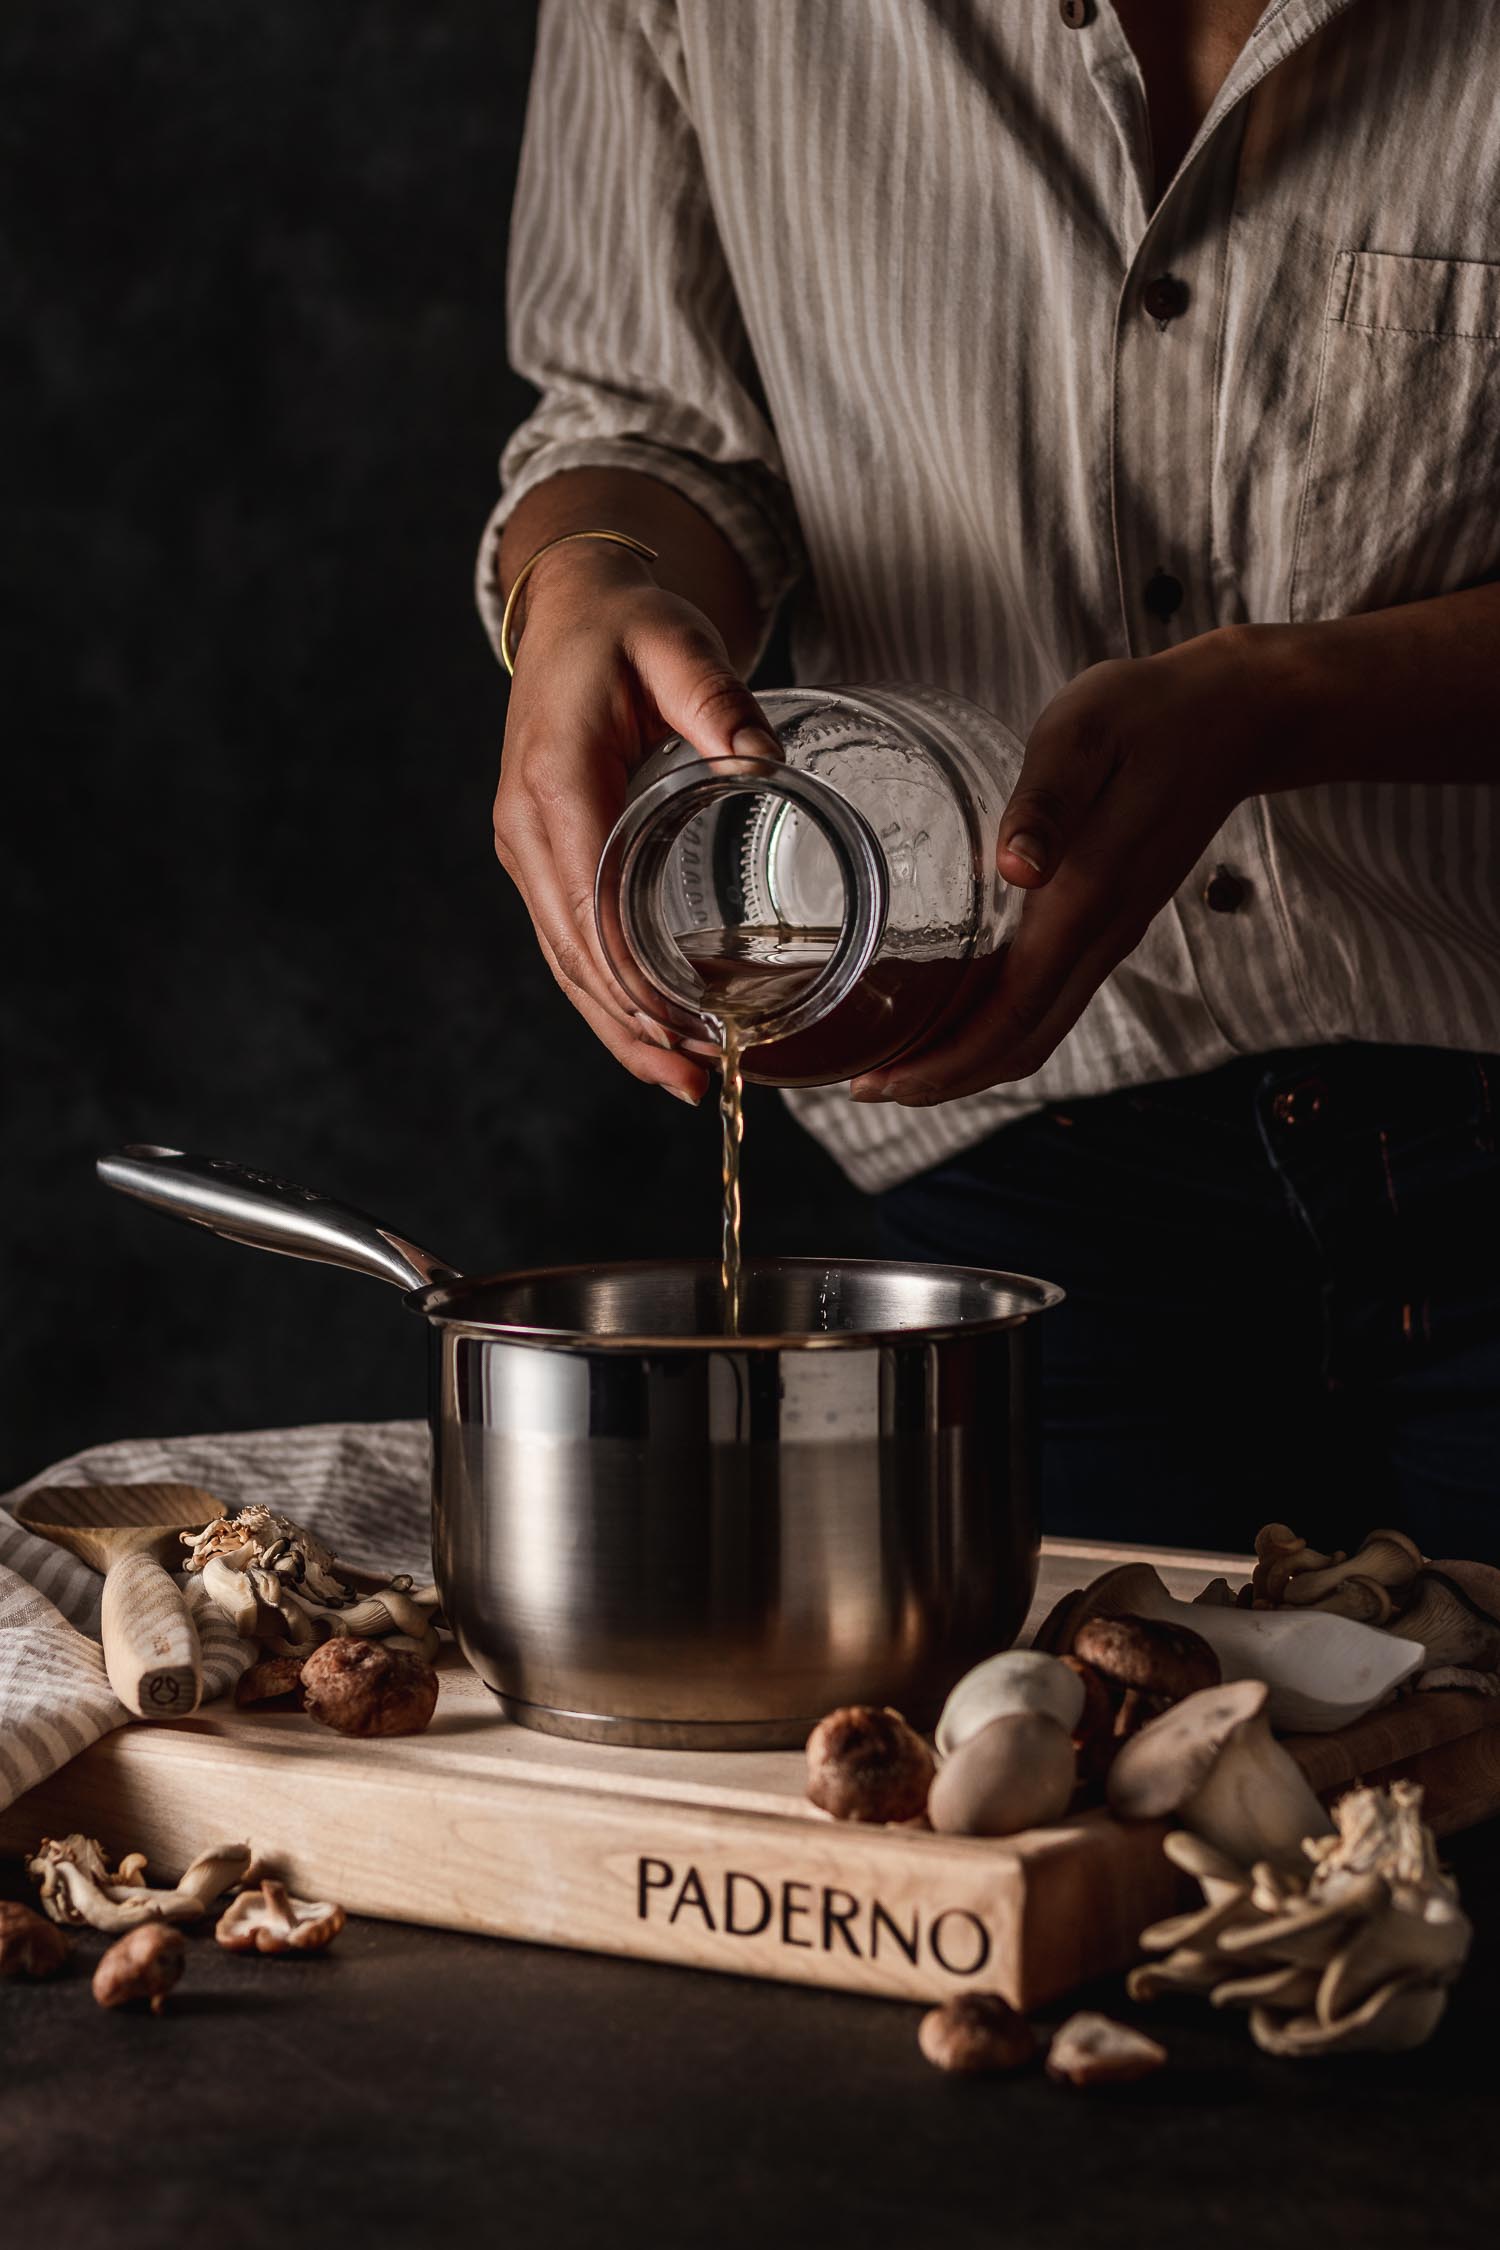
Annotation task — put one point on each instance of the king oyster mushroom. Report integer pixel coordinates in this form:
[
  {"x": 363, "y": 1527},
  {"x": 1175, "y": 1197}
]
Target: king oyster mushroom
[
  {"x": 1213, "y": 1760},
  {"x": 1322, "y": 1671},
  {"x": 1354, "y": 1955},
  {"x": 280, "y": 1584},
  {"x": 78, "y": 1885}
]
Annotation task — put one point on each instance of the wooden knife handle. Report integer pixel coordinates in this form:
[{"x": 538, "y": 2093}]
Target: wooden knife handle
[{"x": 151, "y": 1650}]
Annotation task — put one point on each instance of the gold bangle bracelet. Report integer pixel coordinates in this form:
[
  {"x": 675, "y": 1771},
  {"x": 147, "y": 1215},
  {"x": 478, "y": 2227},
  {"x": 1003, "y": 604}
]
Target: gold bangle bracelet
[{"x": 616, "y": 538}]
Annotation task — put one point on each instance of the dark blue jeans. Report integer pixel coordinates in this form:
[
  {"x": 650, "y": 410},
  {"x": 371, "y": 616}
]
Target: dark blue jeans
[{"x": 1283, "y": 1302}]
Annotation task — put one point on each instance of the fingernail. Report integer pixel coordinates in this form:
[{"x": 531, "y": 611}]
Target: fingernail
[
  {"x": 755, "y": 742},
  {"x": 868, "y": 1090},
  {"x": 681, "y": 1094},
  {"x": 1028, "y": 848},
  {"x": 657, "y": 1033}
]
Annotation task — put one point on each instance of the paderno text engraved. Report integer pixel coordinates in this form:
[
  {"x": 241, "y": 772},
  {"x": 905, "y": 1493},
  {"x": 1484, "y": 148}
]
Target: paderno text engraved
[{"x": 816, "y": 1917}]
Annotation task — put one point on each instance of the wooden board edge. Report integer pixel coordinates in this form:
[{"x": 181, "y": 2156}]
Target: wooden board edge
[{"x": 882, "y": 1911}]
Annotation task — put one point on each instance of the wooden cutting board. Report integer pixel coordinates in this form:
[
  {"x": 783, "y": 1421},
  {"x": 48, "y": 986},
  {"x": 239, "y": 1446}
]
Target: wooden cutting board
[{"x": 708, "y": 1859}]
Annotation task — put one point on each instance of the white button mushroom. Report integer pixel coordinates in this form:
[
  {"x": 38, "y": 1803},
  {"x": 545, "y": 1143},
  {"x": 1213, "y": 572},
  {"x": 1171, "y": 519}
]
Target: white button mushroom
[
  {"x": 1018, "y": 1772},
  {"x": 1019, "y": 1679}
]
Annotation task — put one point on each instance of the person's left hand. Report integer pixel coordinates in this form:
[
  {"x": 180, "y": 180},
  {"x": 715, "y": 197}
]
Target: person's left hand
[{"x": 1129, "y": 772}]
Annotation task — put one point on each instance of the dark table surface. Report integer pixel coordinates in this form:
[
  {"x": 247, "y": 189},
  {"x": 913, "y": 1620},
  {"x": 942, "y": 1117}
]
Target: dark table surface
[{"x": 422, "y": 2087}]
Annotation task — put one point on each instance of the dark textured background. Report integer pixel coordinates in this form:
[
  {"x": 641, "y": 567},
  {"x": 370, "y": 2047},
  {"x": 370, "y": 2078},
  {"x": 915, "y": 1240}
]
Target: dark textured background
[{"x": 254, "y": 383}]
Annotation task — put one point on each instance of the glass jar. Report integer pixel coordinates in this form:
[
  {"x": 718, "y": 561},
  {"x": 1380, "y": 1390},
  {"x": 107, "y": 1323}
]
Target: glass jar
[{"x": 831, "y": 906}]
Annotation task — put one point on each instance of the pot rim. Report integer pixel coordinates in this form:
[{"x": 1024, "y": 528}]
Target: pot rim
[{"x": 432, "y": 1301}]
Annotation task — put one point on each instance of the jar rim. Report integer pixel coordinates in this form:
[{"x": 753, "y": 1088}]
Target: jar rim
[{"x": 651, "y": 966}]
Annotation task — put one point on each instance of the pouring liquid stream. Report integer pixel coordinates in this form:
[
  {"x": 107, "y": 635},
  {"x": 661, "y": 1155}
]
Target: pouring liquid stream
[
  {"x": 751, "y": 975},
  {"x": 732, "y": 1123}
]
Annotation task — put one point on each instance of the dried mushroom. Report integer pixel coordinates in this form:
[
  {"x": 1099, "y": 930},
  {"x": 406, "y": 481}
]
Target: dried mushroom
[
  {"x": 274, "y": 1679},
  {"x": 362, "y": 1687},
  {"x": 1093, "y": 1736},
  {"x": 976, "y": 2032},
  {"x": 1149, "y": 1662},
  {"x": 29, "y": 1946},
  {"x": 78, "y": 1885},
  {"x": 1094, "y": 2050},
  {"x": 279, "y": 1584},
  {"x": 865, "y": 1763},
  {"x": 1353, "y": 1954},
  {"x": 269, "y": 1920},
  {"x": 141, "y": 1967}
]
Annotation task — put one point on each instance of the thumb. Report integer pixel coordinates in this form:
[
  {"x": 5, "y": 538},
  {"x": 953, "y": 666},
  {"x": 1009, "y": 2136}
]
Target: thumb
[
  {"x": 700, "y": 696},
  {"x": 1061, "y": 774}
]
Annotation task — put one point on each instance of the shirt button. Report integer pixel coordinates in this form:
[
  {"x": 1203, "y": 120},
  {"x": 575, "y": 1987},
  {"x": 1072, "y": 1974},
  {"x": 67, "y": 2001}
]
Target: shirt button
[
  {"x": 1075, "y": 13},
  {"x": 1225, "y": 892},
  {"x": 1165, "y": 298},
  {"x": 1163, "y": 594}
]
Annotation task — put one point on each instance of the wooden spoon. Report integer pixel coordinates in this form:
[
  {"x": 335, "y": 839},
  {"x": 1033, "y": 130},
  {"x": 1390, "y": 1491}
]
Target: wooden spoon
[{"x": 132, "y": 1533}]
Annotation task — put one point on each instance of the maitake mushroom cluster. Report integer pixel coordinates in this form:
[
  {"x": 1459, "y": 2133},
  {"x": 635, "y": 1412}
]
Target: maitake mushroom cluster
[
  {"x": 1451, "y": 1608},
  {"x": 280, "y": 1585},
  {"x": 1353, "y": 1953}
]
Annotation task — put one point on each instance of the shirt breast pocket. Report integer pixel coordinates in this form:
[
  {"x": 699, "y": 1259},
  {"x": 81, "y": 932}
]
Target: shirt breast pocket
[{"x": 1401, "y": 495}]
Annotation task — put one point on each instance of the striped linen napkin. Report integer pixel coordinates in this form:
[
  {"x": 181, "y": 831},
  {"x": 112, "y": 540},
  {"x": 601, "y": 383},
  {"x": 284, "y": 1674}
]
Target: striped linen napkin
[{"x": 362, "y": 1487}]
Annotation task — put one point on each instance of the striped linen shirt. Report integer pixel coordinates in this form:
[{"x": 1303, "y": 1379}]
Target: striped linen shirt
[{"x": 878, "y": 284}]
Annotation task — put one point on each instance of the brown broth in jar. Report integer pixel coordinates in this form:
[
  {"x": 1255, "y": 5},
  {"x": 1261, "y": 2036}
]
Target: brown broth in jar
[{"x": 751, "y": 973}]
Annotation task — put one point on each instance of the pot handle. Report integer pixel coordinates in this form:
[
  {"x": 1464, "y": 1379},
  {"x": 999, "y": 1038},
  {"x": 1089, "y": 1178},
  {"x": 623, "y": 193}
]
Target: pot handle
[{"x": 269, "y": 1214}]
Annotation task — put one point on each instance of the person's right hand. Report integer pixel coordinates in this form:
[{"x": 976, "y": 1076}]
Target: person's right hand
[{"x": 609, "y": 665}]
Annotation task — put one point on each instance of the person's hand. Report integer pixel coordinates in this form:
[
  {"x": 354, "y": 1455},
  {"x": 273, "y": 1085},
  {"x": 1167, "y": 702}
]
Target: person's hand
[
  {"x": 609, "y": 665},
  {"x": 1129, "y": 772}
]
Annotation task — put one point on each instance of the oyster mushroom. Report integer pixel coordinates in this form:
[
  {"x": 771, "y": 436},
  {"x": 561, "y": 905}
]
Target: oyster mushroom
[
  {"x": 1322, "y": 1671},
  {"x": 1279, "y": 1555},
  {"x": 77, "y": 1884},
  {"x": 1386, "y": 1563},
  {"x": 270, "y": 1920},
  {"x": 1018, "y": 1679},
  {"x": 1355, "y": 1954},
  {"x": 1455, "y": 1614},
  {"x": 1213, "y": 1760}
]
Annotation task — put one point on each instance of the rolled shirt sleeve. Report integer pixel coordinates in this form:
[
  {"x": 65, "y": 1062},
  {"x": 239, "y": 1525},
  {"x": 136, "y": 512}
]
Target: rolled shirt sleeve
[{"x": 622, "y": 310}]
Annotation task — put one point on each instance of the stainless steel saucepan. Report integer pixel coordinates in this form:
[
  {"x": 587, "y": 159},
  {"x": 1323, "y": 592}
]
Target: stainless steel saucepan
[{"x": 646, "y": 1531}]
